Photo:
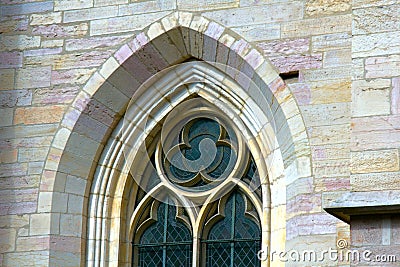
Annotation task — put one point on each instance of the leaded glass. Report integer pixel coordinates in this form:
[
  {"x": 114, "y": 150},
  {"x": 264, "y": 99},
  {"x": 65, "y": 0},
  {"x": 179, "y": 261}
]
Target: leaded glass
[
  {"x": 235, "y": 240},
  {"x": 203, "y": 155},
  {"x": 165, "y": 243}
]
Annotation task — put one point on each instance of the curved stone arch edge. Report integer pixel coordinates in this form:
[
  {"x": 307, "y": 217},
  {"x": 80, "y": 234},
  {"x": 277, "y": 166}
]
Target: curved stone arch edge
[{"x": 183, "y": 19}]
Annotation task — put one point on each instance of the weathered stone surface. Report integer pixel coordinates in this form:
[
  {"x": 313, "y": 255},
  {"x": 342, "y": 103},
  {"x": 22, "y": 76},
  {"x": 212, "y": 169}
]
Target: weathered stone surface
[
  {"x": 382, "y": 66},
  {"x": 302, "y": 93},
  {"x": 325, "y": 74},
  {"x": 6, "y": 117},
  {"x": 73, "y": 76},
  {"x": 326, "y": 7},
  {"x": 55, "y": 95},
  {"x": 206, "y": 4},
  {"x": 328, "y": 184},
  {"x": 317, "y": 223},
  {"x": 16, "y": 24},
  {"x": 317, "y": 26},
  {"x": 123, "y": 24},
  {"x": 371, "y": 97},
  {"x": 10, "y": 60},
  {"x": 90, "y": 14},
  {"x": 45, "y": 19},
  {"x": 70, "y": 61},
  {"x": 375, "y": 181},
  {"x": 7, "y": 240},
  {"x": 27, "y": 258},
  {"x": 259, "y": 32},
  {"x": 43, "y": 52},
  {"x": 7, "y": 79},
  {"x": 292, "y": 63},
  {"x": 329, "y": 134},
  {"x": 59, "y": 30},
  {"x": 140, "y": 7},
  {"x": 376, "y": 44},
  {"x": 337, "y": 58},
  {"x": 369, "y": 3},
  {"x": 331, "y": 168},
  {"x": 72, "y": 4},
  {"x": 33, "y": 77},
  {"x": 326, "y": 114},
  {"x": 376, "y": 19},
  {"x": 71, "y": 225},
  {"x": 334, "y": 151},
  {"x": 261, "y": 14},
  {"x": 395, "y": 96},
  {"x": 26, "y": 8},
  {"x": 18, "y": 42},
  {"x": 34, "y": 115},
  {"x": 20, "y": 208},
  {"x": 373, "y": 161},
  {"x": 107, "y": 3},
  {"x": 15, "y": 98},
  {"x": 329, "y": 42},
  {"x": 94, "y": 42},
  {"x": 285, "y": 47}
]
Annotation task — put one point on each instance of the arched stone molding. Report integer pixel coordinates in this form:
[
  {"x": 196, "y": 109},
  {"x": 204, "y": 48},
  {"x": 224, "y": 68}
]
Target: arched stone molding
[{"x": 96, "y": 111}]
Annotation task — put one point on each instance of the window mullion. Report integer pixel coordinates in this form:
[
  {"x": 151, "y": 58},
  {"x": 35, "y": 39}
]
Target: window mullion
[{"x": 165, "y": 235}]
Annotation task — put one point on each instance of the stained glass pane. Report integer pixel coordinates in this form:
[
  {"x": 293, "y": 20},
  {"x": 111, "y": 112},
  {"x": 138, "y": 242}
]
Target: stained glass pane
[
  {"x": 235, "y": 240},
  {"x": 167, "y": 242}
]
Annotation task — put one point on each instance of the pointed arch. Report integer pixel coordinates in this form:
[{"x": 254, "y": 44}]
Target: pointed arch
[{"x": 244, "y": 78}]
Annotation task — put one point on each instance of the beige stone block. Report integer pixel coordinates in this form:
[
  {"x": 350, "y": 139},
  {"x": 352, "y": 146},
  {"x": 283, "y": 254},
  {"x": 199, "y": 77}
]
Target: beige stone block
[
  {"x": 371, "y": 97},
  {"x": 370, "y": 3},
  {"x": 72, "y": 4},
  {"x": 43, "y": 224},
  {"x": 16, "y": 221},
  {"x": 46, "y": 18},
  {"x": 326, "y": 74},
  {"x": 259, "y": 32},
  {"x": 37, "y": 258},
  {"x": 317, "y": 26},
  {"x": 262, "y": 14},
  {"x": 32, "y": 154},
  {"x": 124, "y": 24},
  {"x": 382, "y": 66},
  {"x": 71, "y": 225},
  {"x": 52, "y": 43},
  {"x": 330, "y": 91},
  {"x": 75, "y": 185},
  {"x": 21, "y": 42},
  {"x": 331, "y": 134},
  {"x": 375, "y": 181},
  {"x": 37, "y": 115},
  {"x": 52, "y": 201},
  {"x": 328, "y": 151},
  {"x": 376, "y": 44},
  {"x": 33, "y": 77},
  {"x": 33, "y": 243},
  {"x": 6, "y": 116},
  {"x": 328, "y": 42},
  {"x": 331, "y": 168},
  {"x": 7, "y": 79},
  {"x": 337, "y": 58},
  {"x": 326, "y": 114},
  {"x": 376, "y": 19},
  {"x": 375, "y": 161},
  {"x": 326, "y": 7},
  {"x": 7, "y": 240},
  {"x": 206, "y": 4},
  {"x": 90, "y": 14}
]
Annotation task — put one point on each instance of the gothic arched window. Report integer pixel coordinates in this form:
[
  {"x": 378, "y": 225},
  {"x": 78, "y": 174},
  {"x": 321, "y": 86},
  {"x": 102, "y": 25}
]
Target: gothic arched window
[{"x": 199, "y": 193}]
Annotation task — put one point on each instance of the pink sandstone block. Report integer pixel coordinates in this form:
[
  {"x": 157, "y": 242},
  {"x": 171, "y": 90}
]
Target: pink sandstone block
[
  {"x": 123, "y": 54},
  {"x": 10, "y": 60},
  {"x": 395, "y": 105}
]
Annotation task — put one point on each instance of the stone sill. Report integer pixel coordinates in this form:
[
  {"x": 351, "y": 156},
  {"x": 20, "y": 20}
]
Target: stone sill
[{"x": 343, "y": 205}]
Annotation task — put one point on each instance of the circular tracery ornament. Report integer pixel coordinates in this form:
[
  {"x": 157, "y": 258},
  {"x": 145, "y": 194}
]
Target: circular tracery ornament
[{"x": 199, "y": 150}]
